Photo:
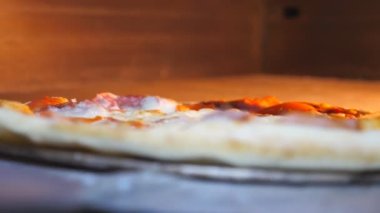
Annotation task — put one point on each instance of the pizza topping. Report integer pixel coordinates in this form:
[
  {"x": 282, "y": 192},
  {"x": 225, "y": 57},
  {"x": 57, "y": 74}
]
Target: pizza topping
[
  {"x": 246, "y": 104},
  {"x": 114, "y": 102},
  {"x": 126, "y": 103},
  {"x": 84, "y": 109},
  {"x": 288, "y": 107},
  {"x": 156, "y": 103},
  {"x": 144, "y": 111},
  {"x": 339, "y": 111},
  {"x": 271, "y": 106},
  {"x": 107, "y": 101},
  {"x": 45, "y": 103},
  {"x": 103, "y": 105}
]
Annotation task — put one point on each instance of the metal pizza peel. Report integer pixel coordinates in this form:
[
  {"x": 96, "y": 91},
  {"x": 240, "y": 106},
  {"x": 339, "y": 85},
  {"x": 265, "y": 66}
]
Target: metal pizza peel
[{"x": 215, "y": 172}]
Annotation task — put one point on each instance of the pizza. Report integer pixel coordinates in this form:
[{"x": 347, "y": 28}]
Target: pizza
[{"x": 249, "y": 132}]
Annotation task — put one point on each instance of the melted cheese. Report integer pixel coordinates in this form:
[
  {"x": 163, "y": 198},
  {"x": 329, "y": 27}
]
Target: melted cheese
[{"x": 160, "y": 104}]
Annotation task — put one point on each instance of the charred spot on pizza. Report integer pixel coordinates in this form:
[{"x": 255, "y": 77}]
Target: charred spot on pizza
[
  {"x": 336, "y": 111},
  {"x": 245, "y": 104},
  {"x": 272, "y": 106}
]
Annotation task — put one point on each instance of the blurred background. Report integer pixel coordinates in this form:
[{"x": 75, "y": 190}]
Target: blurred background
[
  {"x": 49, "y": 42},
  {"x": 189, "y": 50}
]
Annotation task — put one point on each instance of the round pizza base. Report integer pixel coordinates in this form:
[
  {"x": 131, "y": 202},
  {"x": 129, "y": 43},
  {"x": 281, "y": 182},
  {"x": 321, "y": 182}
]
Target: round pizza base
[{"x": 261, "y": 143}]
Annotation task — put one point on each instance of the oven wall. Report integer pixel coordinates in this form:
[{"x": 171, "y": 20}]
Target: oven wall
[
  {"x": 50, "y": 42},
  {"x": 78, "y": 40},
  {"x": 322, "y": 37}
]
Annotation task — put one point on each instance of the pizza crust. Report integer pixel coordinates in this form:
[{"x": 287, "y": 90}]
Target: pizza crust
[{"x": 260, "y": 142}]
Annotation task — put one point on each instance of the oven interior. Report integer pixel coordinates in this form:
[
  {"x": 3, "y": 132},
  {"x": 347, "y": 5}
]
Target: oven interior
[
  {"x": 77, "y": 48},
  {"x": 188, "y": 50}
]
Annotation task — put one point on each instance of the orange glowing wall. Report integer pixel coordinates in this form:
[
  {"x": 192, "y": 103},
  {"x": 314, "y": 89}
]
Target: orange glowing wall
[
  {"x": 47, "y": 41},
  {"x": 63, "y": 40}
]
